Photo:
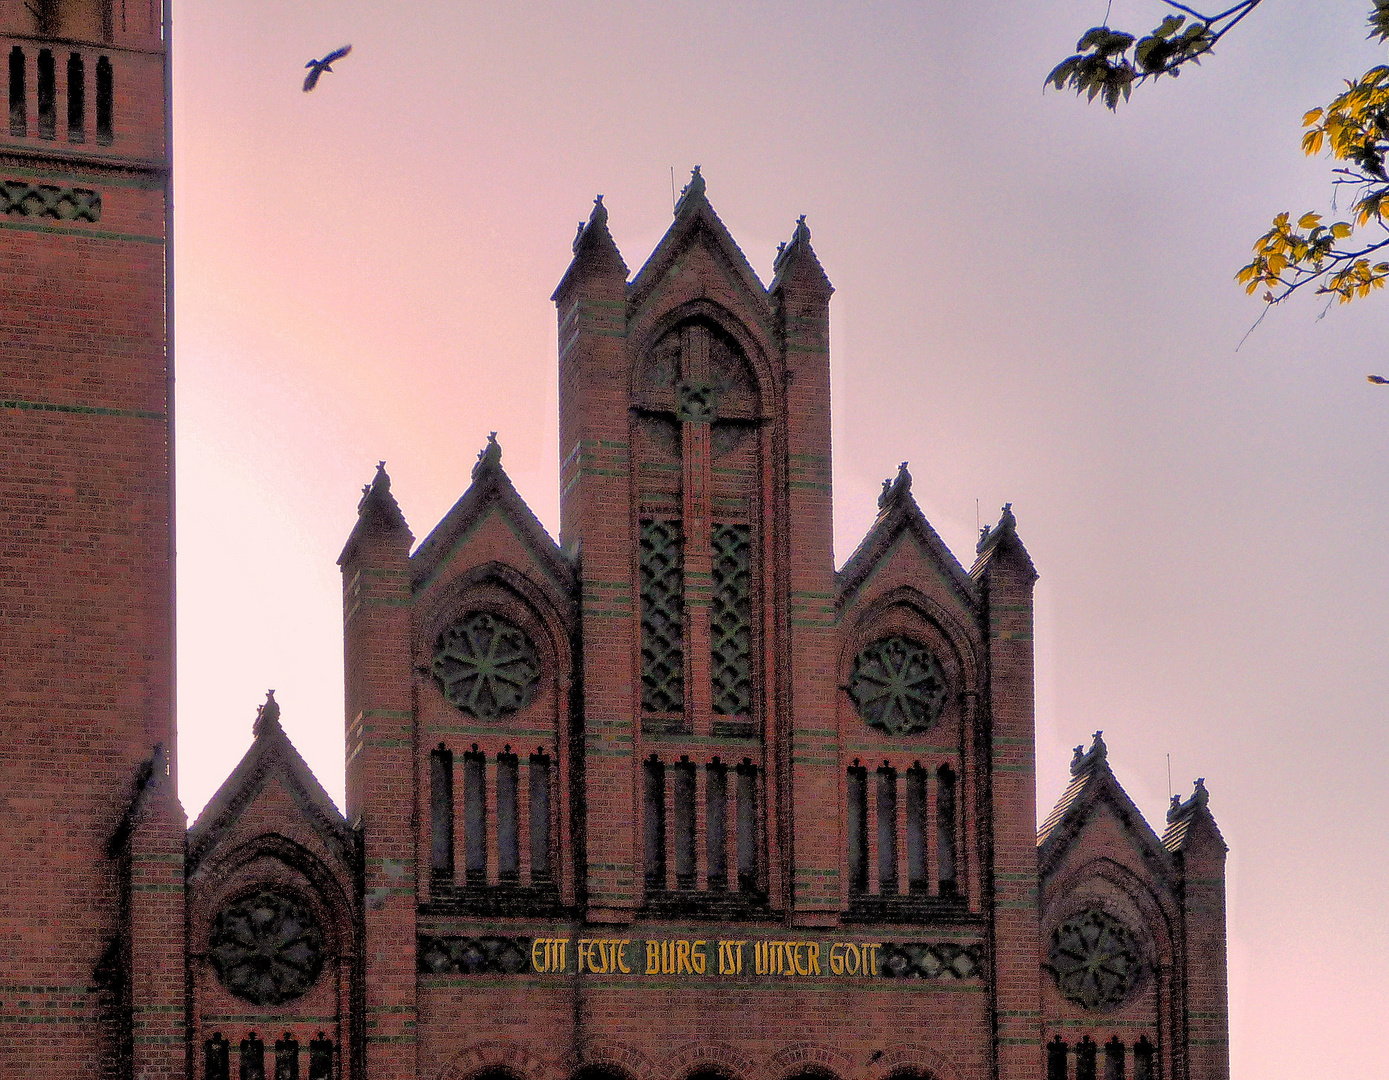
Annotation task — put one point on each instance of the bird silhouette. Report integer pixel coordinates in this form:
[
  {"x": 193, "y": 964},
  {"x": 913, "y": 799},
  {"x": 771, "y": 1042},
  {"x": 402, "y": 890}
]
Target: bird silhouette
[
  {"x": 1378, "y": 379},
  {"x": 318, "y": 67}
]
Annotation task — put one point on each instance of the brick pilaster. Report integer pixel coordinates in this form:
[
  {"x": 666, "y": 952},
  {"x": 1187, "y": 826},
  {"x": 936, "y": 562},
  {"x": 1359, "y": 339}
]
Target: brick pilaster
[
  {"x": 1007, "y": 582},
  {"x": 596, "y": 522},
  {"x": 380, "y": 752},
  {"x": 807, "y": 744}
]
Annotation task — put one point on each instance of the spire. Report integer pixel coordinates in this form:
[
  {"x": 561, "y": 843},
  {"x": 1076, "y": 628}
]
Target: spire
[
  {"x": 377, "y": 500},
  {"x": 267, "y": 716},
  {"x": 1084, "y": 761},
  {"x": 691, "y": 194},
  {"x": 894, "y": 489},
  {"x": 797, "y": 259},
  {"x": 1199, "y": 797},
  {"x": 489, "y": 457},
  {"x": 377, "y": 512},
  {"x": 594, "y": 249},
  {"x": 989, "y": 538}
]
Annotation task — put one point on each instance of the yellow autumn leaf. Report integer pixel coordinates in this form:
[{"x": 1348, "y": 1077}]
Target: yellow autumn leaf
[
  {"x": 1341, "y": 230},
  {"x": 1308, "y": 220},
  {"x": 1311, "y": 117}
]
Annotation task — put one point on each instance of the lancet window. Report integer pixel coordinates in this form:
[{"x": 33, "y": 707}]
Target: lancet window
[
  {"x": 902, "y": 832},
  {"x": 505, "y": 821},
  {"x": 686, "y": 851},
  {"x": 696, "y": 454}
]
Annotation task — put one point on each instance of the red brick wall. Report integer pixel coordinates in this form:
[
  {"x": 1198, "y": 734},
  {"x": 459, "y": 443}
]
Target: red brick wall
[{"x": 86, "y": 571}]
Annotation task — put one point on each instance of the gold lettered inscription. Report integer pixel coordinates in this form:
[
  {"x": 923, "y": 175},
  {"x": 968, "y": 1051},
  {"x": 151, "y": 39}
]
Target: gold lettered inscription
[
  {"x": 692, "y": 958},
  {"x": 849, "y": 958},
  {"x": 603, "y": 956},
  {"x": 548, "y": 956}
]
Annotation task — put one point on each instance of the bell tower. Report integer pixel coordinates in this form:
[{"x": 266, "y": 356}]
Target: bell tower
[{"x": 91, "y": 965}]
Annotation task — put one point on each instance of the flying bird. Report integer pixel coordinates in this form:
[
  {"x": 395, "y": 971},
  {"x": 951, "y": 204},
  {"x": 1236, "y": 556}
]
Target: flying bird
[
  {"x": 318, "y": 67},
  {"x": 1378, "y": 379}
]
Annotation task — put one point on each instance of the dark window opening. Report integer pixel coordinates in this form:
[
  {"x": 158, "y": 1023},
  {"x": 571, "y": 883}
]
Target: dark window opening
[
  {"x": 1056, "y": 1059},
  {"x": 77, "y": 98},
  {"x": 1114, "y": 1059},
  {"x": 716, "y": 823},
  {"x": 217, "y": 1058},
  {"x": 108, "y": 20},
  {"x": 1143, "y": 1060},
  {"x": 48, "y": 93},
  {"x": 508, "y": 840},
  {"x": 105, "y": 93},
  {"x": 945, "y": 830},
  {"x": 320, "y": 1058},
  {"x": 683, "y": 798},
  {"x": 540, "y": 816},
  {"x": 19, "y": 107},
  {"x": 252, "y": 1058},
  {"x": 287, "y": 1058},
  {"x": 918, "y": 875},
  {"x": 441, "y": 812},
  {"x": 654, "y": 821},
  {"x": 747, "y": 826},
  {"x": 858, "y": 828},
  {"x": 475, "y": 816},
  {"x": 730, "y": 619},
  {"x": 662, "y": 617},
  {"x": 1085, "y": 1059},
  {"x": 887, "y": 828}
]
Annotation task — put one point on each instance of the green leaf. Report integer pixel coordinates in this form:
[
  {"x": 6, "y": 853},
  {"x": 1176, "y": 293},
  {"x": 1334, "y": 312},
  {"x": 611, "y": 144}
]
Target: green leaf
[{"x": 1171, "y": 25}]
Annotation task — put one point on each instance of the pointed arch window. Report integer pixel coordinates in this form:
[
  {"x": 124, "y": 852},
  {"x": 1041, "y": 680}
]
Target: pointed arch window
[{"x": 695, "y": 406}]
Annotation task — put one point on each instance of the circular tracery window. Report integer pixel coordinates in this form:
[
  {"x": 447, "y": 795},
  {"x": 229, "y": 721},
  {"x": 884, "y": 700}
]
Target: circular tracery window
[
  {"x": 1095, "y": 959},
  {"x": 266, "y": 948},
  {"x": 486, "y": 665},
  {"x": 898, "y": 686}
]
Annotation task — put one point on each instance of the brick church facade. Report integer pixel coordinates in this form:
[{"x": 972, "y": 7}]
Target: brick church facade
[{"x": 671, "y": 797}]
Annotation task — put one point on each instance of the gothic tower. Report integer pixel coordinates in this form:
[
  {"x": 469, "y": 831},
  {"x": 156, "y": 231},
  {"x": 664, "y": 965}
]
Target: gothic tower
[{"x": 91, "y": 947}]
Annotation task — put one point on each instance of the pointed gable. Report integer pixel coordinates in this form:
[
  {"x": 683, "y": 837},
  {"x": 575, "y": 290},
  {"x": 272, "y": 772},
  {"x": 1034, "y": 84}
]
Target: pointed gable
[
  {"x": 271, "y": 763},
  {"x": 1190, "y": 824},
  {"x": 899, "y": 516},
  {"x": 1093, "y": 790},
  {"x": 698, "y": 228},
  {"x": 999, "y": 541},
  {"x": 491, "y": 492},
  {"x": 595, "y": 251}
]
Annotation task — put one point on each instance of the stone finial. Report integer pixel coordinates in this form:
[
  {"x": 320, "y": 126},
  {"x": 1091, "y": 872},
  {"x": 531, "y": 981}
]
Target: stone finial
[
  {"x": 267, "y": 716},
  {"x": 1199, "y": 798},
  {"x": 489, "y": 457},
  {"x": 691, "y": 193},
  {"x": 695, "y": 187},
  {"x": 895, "y": 488},
  {"x": 1088, "y": 759},
  {"x": 597, "y": 219},
  {"x": 1007, "y": 525}
]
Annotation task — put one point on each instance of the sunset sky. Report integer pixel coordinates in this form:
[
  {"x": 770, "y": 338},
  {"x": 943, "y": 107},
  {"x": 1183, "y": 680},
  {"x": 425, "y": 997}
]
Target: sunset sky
[{"x": 1035, "y": 303}]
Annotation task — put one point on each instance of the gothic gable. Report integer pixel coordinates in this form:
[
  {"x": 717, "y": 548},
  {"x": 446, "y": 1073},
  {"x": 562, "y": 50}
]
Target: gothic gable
[
  {"x": 1096, "y": 816},
  {"x": 492, "y": 511},
  {"x": 698, "y": 258},
  {"x": 900, "y": 519},
  {"x": 272, "y": 789}
]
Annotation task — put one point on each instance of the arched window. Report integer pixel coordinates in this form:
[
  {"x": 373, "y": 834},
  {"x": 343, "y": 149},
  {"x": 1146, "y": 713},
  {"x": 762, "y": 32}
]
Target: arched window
[
  {"x": 695, "y": 405},
  {"x": 19, "y": 107}
]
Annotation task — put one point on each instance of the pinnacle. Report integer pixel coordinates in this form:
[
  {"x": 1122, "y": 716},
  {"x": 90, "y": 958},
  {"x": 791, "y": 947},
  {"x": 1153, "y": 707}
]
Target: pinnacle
[
  {"x": 490, "y": 456},
  {"x": 267, "y": 716}
]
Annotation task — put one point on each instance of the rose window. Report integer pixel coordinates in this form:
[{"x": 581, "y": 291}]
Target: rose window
[
  {"x": 486, "y": 665},
  {"x": 898, "y": 686},
  {"x": 1095, "y": 959},
  {"x": 266, "y": 948}
]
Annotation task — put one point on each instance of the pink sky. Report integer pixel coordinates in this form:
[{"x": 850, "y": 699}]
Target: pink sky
[{"x": 1035, "y": 304}]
